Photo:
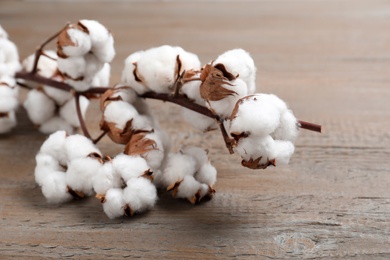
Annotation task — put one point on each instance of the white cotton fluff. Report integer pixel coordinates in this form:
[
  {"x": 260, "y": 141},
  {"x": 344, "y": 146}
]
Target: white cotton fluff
[
  {"x": 3, "y": 33},
  {"x": 59, "y": 96},
  {"x": 288, "y": 128},
  {"x": 106, "y": 178},
  {"x": 157, "y": 67},
  {"x": 207, "y": 174},
  {"x": 77, "y": 146},
  {"x": 254, "y": 147},
  {"x": 140, "y": 194},
  {"x": 54, "y": 146},
  {"x": 81, "y": 43},
  {"x": 205, "y": 190},
  {"x": 45, "y": 165},
  {"x": 8, "y": 95},
  {"x": 224, "y": 107},
  {"x": 39, "y": 106},
  {"x": 119, "y": 112},
  {"x": 283, "y": 151},
  {"x": 197, "y": 120},
  {"x": 73, "y": 67},
  {"x": 188, "y": 60},
  {"x": 54, "y": 124},
  {"x": 199, "y": 154},
  {"x": 239, "y": 62},
  {"x": 128, "y": 77},
  {"x": 188, "y": 188},
  {"x": 7, "y": 122},
  {"x": 54, "y": 188},
  {"x": 114, "y": 204},
  {"x": 69, "y": 113},
  {"x": 102, "y": 77},
  {"x": 155, "y": 157},
  {"x": 257, "y": 115},
  {"x": 47, "y": 66},
  {"x": 80, "y": 173},
  {"x": 177, "y": 167},
  {"x": 129, "y": 166},
  {"x": 92, "y": 66},
  {"x": 126, "y": 94},
  {"x": 9, "y": 58},
  {"x": 101, "y": 40}
]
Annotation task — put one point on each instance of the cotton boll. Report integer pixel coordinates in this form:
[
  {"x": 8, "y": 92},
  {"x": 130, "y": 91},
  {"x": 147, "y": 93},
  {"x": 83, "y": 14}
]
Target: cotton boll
[
  {"x": 239, "y": 62},
  {"x": 129, "y": 71},
  {"x": 54, "y": 188},
  {"x": 254, "y": 147},
  {"x": 125, "y": 93},
  {"x": 207, "y": 174},
  {"x": 79, "y": 176},
  {"x": 45, "y": 165},
  {"x": 39, "y": 106},
  {"x": 8, "y": 98},
  {"x": 69, "y": 113},
  {"x": 9, "y": 58},
  {"x": 106, "y": 178},
  {"x": 102, "y": 78},
  {"x": 114, "y": 204},
  {"x": 256, "y": 114},
  {"x": 188, "y": 189},
  {"x": 288, "y": 128},
  {"x": 80, "y": 43},
  {"x": 224, "y": 107},
  {"x": 7, "y": 122},
  {"x": 78, "y": 146},
  {"x": 72, "y": 67},
  {"x": 177, "y": 167},
  {"x": 157, "y": 68},
  {"x": 54, "y": 146},
  {"x": 130, "y": 166},
  {"x": 140, "y": 195},
  {"x": 98, "y": 34},
  {"x": 119, "y": 112},
  {"x": 54, "y": 124},
  {"x": 141, "y": 122},
  {"x": 283, "y": 151}
]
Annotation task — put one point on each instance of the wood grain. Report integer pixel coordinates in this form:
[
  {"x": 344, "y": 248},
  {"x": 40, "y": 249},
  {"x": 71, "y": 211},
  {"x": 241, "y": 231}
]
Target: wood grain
[{"x": 329, "y": 60}]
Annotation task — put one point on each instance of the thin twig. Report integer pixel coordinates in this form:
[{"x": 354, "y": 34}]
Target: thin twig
[
  {"x": 23, "y": 85},
  {"x": 80, "y": 116},
  {"x": 39, "y": 50},
  {"x": 97, "y": 139},
  {"x": 310, "y": 126}
]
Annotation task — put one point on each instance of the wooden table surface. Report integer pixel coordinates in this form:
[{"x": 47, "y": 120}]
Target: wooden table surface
[{"x": 329, "y": 60}]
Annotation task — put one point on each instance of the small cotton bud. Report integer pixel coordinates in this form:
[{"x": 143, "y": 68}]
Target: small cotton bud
[
  {"x": 188, "y": 189},
  {"x": 113, "y": 204},
  {"x": 199, "y": 154},
  {"x": 140, "y": 194},
  {"x": 73, "y": 67},
  {"x": 45, "y": 165},
  {"x": 207, "y": 174},
  {"x": 177, "y": 167},
  {"x": 77, "y": 42},
  {"x": 119, "y": 113}
]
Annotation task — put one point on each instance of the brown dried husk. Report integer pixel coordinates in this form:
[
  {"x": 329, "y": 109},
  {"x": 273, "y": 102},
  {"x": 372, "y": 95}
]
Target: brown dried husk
[
  {"x": 213, "y": 80},
  {"x": 106, "y": 98},
  {"x": 119, "y": 136},
  {"x": 139, "y": 144},
  {"x": 65, "y": 40},
  {"x": 255, "y": 163}
]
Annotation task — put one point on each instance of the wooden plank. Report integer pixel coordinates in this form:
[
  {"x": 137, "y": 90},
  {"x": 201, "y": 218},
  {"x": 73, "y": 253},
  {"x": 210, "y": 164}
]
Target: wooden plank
[{"x": 328, "y": 59}]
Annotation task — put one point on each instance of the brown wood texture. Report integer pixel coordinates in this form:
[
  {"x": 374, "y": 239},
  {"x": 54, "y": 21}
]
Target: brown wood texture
[{"x": 330, "y": 60}]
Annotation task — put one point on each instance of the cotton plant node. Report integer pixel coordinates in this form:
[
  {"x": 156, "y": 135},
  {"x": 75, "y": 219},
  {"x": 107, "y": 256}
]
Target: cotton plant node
[{"x": 218, "y": 95}]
